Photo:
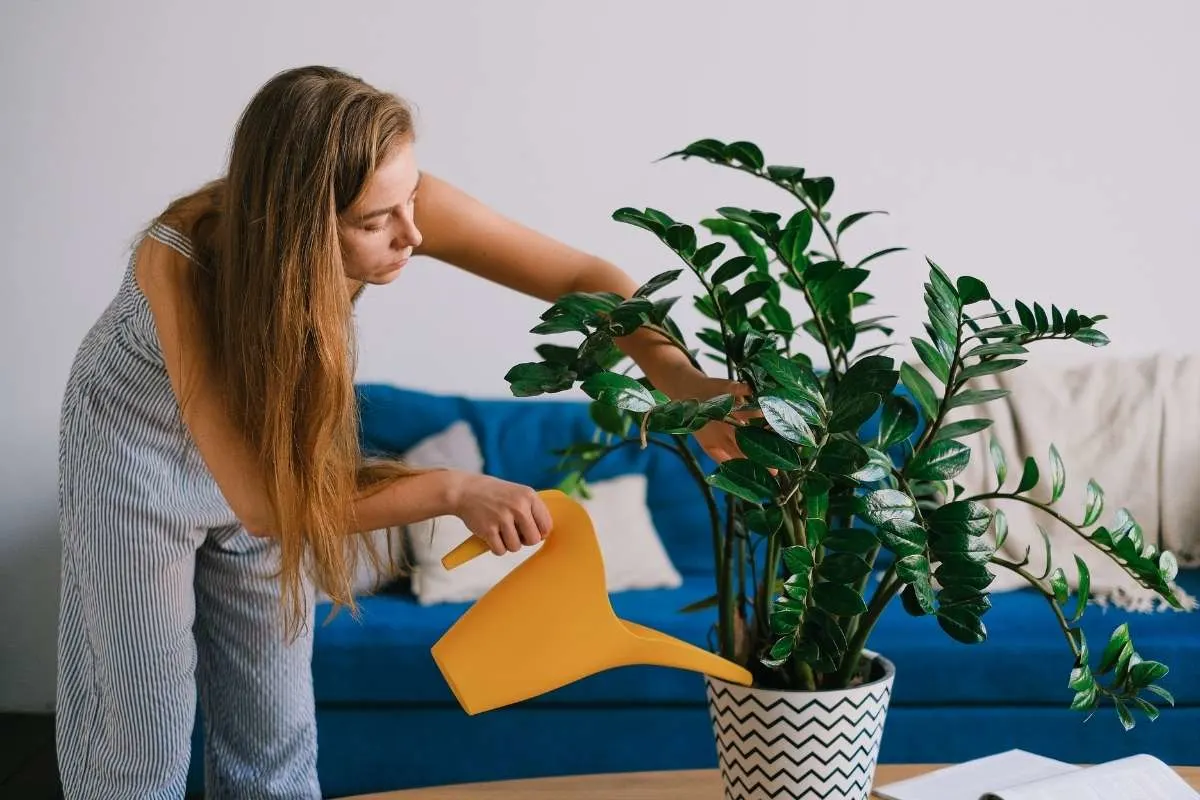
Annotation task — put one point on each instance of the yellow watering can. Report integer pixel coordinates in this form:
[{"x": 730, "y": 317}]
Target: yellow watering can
[{"x": 549, "y": 622}]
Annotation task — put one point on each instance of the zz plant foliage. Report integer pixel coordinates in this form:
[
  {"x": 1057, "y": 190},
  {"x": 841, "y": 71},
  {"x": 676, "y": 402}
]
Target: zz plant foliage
[{"x": 822, "y": 502}]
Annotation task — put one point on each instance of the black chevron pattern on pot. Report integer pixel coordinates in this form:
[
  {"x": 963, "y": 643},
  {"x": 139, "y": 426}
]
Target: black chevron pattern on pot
[
  {"x": 798, "y": 746},
  {"x": 765, "y": 756},
  {"x": 868, "y": 699},
  {"x": 745, "y": 736}
]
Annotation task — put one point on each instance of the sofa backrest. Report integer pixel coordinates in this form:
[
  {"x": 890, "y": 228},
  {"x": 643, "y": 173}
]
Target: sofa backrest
[{"x": 518, "y": 437}]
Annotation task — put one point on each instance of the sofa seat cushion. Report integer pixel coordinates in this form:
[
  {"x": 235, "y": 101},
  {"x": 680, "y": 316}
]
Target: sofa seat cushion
[
  {"x": 384, "y": 657},
  {"x": 1025, "y": 659}
]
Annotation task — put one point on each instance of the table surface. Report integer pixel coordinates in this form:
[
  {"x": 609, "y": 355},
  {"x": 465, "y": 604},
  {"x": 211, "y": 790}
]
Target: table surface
[{"x": 638, "y": 785}]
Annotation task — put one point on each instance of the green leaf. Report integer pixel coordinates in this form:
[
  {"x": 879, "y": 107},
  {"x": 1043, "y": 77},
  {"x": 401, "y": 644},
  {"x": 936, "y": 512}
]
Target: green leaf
[
  {"x": 707, "y": 254},
  {"x": 682, "y": 238},
  {"x": 912, "y": 568},
  {"x": 853, "y": 218},
  {"x": 741, "y": 235},
  {"x": 796, "y": 238},
  {"x": 658, "y": 282},
  {"x": 699, "y": 605},
  {"x": 1112, "y": 651},
  {"x": 780, "y": 652},
  {"x": 608, "y": 419},
  {"x": 880, "y": 254},
  {"x": 1084, "y": 590},
  {"x": 975, "y": 396},
  {"x": 620, "y": 391},
  {"x": 851, "y": 540},
  {"x": 1058, "y": 475},
  {"x": 531, "y": 379},
  {"x": 996, "y": 349},
  {"x": 1029, "y": 475},
  {"x": 920, "y": 389},
  {"x": 903, "y": 537},
  {"x": 917, "y": 598},
  {"x": 939, "y": 461},
  {"x": 767, "y": 448},
  {"x": 732, "y": 268},
  {"x": 704, "y": 148},
  {"x": 792, "y": 375},
  {"x": 962, "y": 624},
  {"x": 842, "y": 457},
  {"x": 898, "y": 421},
  {"x": 1091, "y": 336},
  {"x": 972, "y": 290},
  {"x": 743, "y": 478},
  {"x": 964, "y": 427},
  {"x": 798, "y": 559},
  {"x": 1145, "y": 673},
  {"x": 1000, "y": 521},
  {"x": 819, "y": 190},
  {"x": 1039, "y": 316},
  {"x": 631, "y": 216},
  {"x": 1123, "y": 714},
  {"x": 1163, "y": 693},
  {"x": 999, "y": 462},
  {"x": 1146, "y": 708},
  {"x": 850, "y": 414},
  {"x": 843, "y": 567},
  {"x": 932, "y": 359},
  {"x": 885, "y": 505},
  {"x": 962, "y": 516},
  {"x": 1095, "y": 503},
  {"x": 838, "y": 599},
  {"x": 1058, "y": 585},
  {"x": 786, "y": 418},
  {"x": 746, "y": 153},
  {"x": 785, "y": 174},
  {"x": 1168, "y": 566},
  {"x": 988, "y": 368},
  {"x": 717, "y": 407},
  {"x": 748, "y": 294}
]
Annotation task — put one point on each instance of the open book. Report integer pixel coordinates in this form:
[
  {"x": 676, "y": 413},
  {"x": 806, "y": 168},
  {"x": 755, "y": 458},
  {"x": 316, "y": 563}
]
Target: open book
[{"x": 1020, "y": 775}]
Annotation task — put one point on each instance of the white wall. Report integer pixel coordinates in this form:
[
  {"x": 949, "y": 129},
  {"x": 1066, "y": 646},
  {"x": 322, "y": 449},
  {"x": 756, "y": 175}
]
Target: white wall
[{"x": 1049, "y": 148}]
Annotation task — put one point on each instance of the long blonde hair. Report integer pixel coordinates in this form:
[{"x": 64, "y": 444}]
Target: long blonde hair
[{"x": 271, "y": 286}]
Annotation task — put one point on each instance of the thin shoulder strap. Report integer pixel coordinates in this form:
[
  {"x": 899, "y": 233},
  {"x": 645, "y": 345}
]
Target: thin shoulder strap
[{"x": 172, "y": 238}]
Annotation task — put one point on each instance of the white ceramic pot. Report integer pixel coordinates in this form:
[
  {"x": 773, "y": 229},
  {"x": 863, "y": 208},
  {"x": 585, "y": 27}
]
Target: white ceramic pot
[{"x": 774, "y": 745}]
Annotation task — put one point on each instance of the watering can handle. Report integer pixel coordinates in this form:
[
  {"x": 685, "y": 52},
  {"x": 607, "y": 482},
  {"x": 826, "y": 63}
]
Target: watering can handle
[{"x": 466, "y": 550}]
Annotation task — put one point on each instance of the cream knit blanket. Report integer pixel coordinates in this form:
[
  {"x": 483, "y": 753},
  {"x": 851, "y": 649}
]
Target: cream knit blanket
[{"x": 1133, "y": 425}]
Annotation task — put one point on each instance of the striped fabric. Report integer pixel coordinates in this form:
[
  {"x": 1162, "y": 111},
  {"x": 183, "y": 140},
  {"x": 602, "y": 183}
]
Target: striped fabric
[{"x": 164, "y": 594}]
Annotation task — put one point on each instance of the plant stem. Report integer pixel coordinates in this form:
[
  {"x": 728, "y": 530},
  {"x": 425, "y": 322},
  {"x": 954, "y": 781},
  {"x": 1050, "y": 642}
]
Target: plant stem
[
  {"x": 1074, "y": 528},
  {"x": 889, "y": 587},
  {"x": 1037, "y": 584}
]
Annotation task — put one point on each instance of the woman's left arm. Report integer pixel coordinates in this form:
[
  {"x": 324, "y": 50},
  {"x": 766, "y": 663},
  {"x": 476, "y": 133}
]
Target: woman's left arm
[{"x": 464, "y": 232}]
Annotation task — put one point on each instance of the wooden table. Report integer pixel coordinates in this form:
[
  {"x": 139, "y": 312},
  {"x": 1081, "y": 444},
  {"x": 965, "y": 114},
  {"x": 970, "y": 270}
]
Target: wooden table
[{"x": 690, "y": 784}]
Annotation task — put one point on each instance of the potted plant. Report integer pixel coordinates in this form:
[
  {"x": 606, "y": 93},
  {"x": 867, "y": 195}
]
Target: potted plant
[{"x": 849, "y": 472}]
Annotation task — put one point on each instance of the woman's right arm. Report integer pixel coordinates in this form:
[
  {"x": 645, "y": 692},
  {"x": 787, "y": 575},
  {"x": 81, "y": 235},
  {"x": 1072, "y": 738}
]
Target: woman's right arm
[{"x": 505, "y": 515}]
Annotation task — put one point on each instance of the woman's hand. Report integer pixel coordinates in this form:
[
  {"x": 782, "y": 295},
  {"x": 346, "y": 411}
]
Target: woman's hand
[
  {"x": 505, "y": 515},
  {"x": 718, "y": 438}
]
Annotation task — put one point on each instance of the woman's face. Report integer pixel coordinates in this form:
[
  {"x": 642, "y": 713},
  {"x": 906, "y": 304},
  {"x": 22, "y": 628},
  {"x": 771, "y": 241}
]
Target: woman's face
[{"x": 378, "y": 233}]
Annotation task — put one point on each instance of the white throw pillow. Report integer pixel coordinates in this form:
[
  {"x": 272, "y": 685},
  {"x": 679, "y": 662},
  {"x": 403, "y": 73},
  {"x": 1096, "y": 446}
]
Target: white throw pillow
[
  {"x": 633, "y": 553},
  {"x": 453, "y": 448}
]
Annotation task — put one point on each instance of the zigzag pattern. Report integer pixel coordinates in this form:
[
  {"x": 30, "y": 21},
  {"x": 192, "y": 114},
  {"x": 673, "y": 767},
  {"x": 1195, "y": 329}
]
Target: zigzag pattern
[
  {"x": 876, "y": 715},
  {"x": 826, "y": 775},
  {"x": 746, "y": 735},
  {"x": 798, "y": 747},
  {"x": 747, "y": 698},
  {"x": 737, "y": 789},
  {"x": 760, "y": 755}
]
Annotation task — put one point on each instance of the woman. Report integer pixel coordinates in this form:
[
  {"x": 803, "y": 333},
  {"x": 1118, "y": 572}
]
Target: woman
[{"x": 210, "y": 474}]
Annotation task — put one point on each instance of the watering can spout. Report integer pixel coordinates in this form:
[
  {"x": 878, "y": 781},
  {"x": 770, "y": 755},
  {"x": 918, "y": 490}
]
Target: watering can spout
[{"x": 549, "y": 623}]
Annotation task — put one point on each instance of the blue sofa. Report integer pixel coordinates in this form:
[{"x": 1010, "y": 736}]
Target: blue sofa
[{"x": 387, "y": 720}]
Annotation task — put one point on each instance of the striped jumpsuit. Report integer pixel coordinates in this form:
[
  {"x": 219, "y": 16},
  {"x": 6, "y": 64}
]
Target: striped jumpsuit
[{"x": 164, "y": 594}]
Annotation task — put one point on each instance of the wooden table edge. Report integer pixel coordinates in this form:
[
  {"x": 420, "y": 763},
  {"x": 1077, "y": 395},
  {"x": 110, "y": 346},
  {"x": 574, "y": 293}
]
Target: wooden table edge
[{"x": 635, "y": 785}]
